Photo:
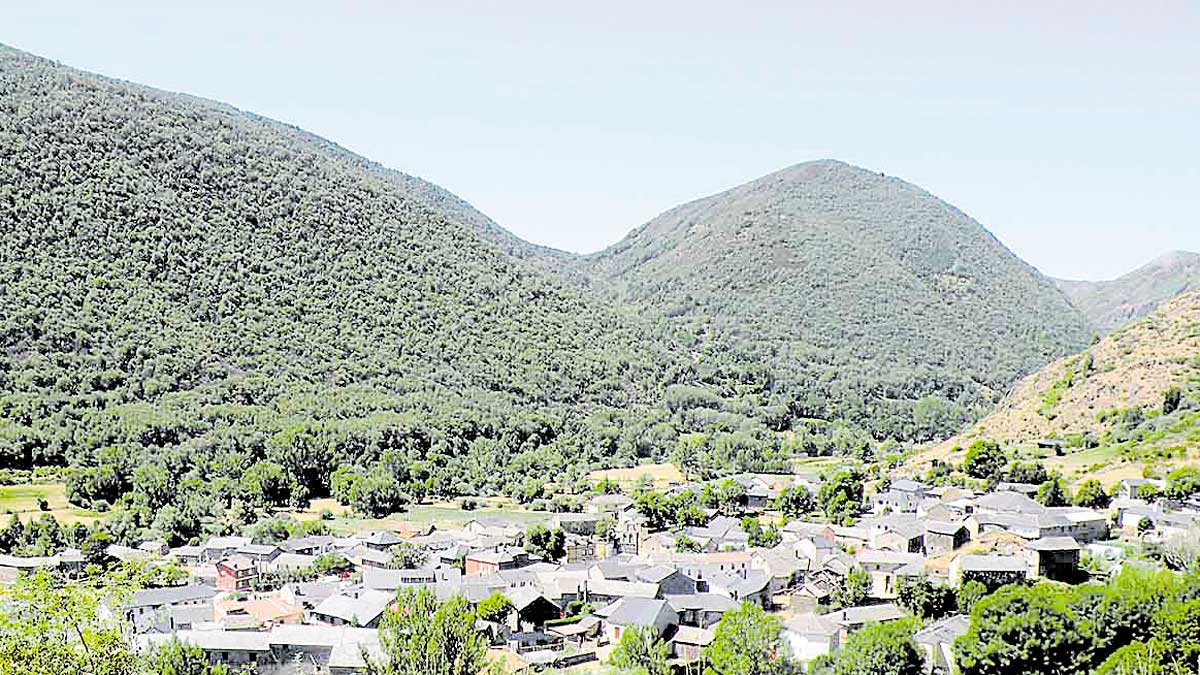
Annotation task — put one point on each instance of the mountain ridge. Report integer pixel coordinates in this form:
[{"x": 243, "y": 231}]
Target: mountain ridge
[{"x": 1116, "y": 302}]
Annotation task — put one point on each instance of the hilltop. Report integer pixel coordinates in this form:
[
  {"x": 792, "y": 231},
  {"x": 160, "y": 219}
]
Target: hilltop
[
  {"x": 1131, "y": 397},
  {"x": 1110, "y": 304},
  {"x": 867, "y": 294}
]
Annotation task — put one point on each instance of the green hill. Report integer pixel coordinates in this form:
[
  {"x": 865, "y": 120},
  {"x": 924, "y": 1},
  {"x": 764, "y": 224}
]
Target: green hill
[
  {"x": 193, "y": 289},
  {"x": 1114, "y": 303},
  {"x": 867, "y": 295}
]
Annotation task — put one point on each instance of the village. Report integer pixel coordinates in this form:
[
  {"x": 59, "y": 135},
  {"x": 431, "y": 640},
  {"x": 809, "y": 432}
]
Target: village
[{"x": 559, "y": 596}]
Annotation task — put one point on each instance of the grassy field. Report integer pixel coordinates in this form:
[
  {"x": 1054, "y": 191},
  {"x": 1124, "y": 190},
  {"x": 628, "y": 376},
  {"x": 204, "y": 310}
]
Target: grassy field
[
  {"x": 23, "y": 501},
  {"x": 445, "y": 514},
  {"x": 661, "y": 475}
]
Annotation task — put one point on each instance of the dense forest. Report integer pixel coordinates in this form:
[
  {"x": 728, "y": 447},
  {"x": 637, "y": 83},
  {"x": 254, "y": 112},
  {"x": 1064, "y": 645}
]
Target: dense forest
[
  {"x": 880, "y": 302},
  {"x": 193, "y": 298},
  {"x": 200, "y": 308}
]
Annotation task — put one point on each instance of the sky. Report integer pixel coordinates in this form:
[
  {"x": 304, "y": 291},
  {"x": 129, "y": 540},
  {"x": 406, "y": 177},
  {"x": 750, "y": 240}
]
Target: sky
[{"x": 1071, "y": 130}]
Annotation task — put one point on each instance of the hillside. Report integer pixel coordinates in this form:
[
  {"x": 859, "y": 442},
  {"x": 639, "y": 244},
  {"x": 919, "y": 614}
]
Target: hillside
[
  {"x": 1110, "y": 304},
  {"x": 867, "y": 295},
  {"x": 187, "y": 289},
  {"x": 1111, "y": 402}
]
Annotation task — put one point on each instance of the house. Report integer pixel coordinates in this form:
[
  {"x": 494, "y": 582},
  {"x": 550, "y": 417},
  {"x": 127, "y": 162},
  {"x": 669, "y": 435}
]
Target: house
[
  {"x": 580, "y": 548},
  {"x": 144, "y": 608},
  {"x": 888, "y": 569},
  {"x": 233, "y": 648},
  {"x": 688, "y": 643},
  {"x": 852, "y": 619},
  {"x": 945, "y": 536},
  {"x": 810, "y": 636},
  {"x": 992, "y": 571},
  {"x": 531, "y": 609},
  {"x": 701, "y": 610},
  {"x": 903, "y": 534},
  {"x": 491, "y": 561},
  {"x": 668, "y": 579},
  {"x": 236, "y": 574},
  {"x": 896, "y": 501},
  {"x": 611, "y": 590},
  {"x": 937, "y": 642},
  {"x": 1027, "y": 489},
  {"x": 259, "y": 552},
  {"x": 379, "y": 540},
  {"x": 218, "y": 548},
  {"x": 186, "y": 555},
  {"x": 648, "y": 612},
  {"x": 362, "y": 607},
  {"x": 338, "y": 651},
  {"x": 1132, "y": 488},
  {"x": 752, "y": 586},
  {"x": 258, "y": 610},
  {"x": 313, "y": 545},
  {"x": 577, "y": 523},
  {"x": 1054, "y": 558},
  {"x": 783, "y": 565}
]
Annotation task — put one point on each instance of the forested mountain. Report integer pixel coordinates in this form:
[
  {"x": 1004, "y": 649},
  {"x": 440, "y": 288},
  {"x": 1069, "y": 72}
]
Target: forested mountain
[
  {"x": 188, "y": 292},
  {"x": 1109, "y": 304},
  {"x": 870, "y": 296}
]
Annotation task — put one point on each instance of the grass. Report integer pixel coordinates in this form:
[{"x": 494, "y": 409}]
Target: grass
[
  {"x": 23, "y": 501},
  {"x": 443, "y": 515},
  {"x": 661, "y": 475}
]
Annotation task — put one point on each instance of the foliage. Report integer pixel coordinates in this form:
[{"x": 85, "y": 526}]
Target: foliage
[
  {"x": 1091, "y": 495},
  {"x": 1182, "y": 482},
  {"x": 841, "y": 493},
  {"x": 984, "y": 460},
  {"x": 761, "y": 537},
  {"x": 685, "y": 544},
  {"x": 853, "y": 589},
  {"x": 879, "y": 649},
  {"x": 747, "y": 642},
  {"x": 50, "y": 628},
  {"x": 926, "y": 600},
  {"x": 969, "y": 594},
  {"x": 496, "y": 607},
  {"x": 426, "y": 637},
  {"x": 407, "y": 556},
  {"x": 547, "y": 543},
  {"x": 795, "y": 501},
  {"x": 641, "y": 651},
  {"x": 1052, "y": 493},
  {"x": 1023, "y": 630},
  {"x": 176, "y": 658}
]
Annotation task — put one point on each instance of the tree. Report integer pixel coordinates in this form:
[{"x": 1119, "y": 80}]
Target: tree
[
  {"x": 926, "y": 600},
  {"x": 1091, "y": 495},
  {"x": 641, "y": 651},
  {"x": 880, "y": 649},
  {"x": 549, "y": 544},
  {"x": 969, "y": 594},
  {"x": 267, "y": 484},
  {"x": 1033, "y": 473},
  {"x": 1052, "y": 493},
  {"x": 841, "y": 494},
  {"x": 176, "y": 658},
  {"x": 853, "y": 590},
  {"x": 425, "y": 637},
  {"x": 747, "y": 642},
  {"x": 50, "y": 628},
  {"x": 1172, "y": 397},
  {"x": 1143, "y": 658},
  {"x": 795, "y": 501},
  {"x": 685, "y": 544},
  {"x": 1182, "y": 483},
  {"x": 985, "y": 460},
  {"x": 496, "y": 608},
  {"x": 758, "y": 536},
  {"x": 406, "y": 556},
  {"x": 1023, "y": 630},
  {"x": 655, "y": 507}
]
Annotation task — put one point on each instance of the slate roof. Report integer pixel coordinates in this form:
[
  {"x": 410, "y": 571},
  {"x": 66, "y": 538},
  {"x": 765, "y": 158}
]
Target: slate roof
[
  {"x": 945, "y": 631},
  {"x": 1053, "y": 544},
  {"x": 992, "y": 563},
  {"x": 172, "y": 595},
  {"x": 361, "y": 610},
  {"x": 636, "y": 611}
]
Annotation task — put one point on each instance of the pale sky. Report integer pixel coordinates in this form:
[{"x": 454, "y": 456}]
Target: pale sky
[{"x": 1071, "y": 130}]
